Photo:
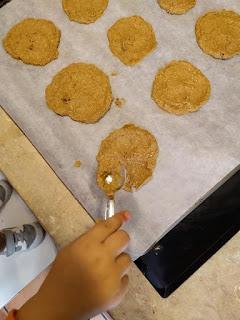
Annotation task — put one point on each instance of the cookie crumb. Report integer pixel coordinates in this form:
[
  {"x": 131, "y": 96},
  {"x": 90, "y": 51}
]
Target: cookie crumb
[
  {"x": 114, "y": 74},
  {"x": 120, "y": 102},
  {"x": 77, "y": 164}
]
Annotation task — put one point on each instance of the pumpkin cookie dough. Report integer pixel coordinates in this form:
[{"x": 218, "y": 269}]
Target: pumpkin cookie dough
[
  {"x": 132, "y": 147},
  {"x": 84, "y": 11},
  {"x": 80, "y": 91},
  {"x": 218, "y": 33},
  {"x": 177, "y": 6},
  {"x": 131, "y": 39},
  {"x": 77, "y": 164},
  {"x": 34, "y": 41},
  {"x": 120, "y": 102},
  {"x": 180, "y": 88}
]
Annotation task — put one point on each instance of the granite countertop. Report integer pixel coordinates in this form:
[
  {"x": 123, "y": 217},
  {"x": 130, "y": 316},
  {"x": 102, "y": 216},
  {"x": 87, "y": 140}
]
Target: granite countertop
[{"x": 212, "y": 293}]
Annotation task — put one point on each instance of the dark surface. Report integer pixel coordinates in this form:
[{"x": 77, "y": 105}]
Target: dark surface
[
  {"x": 194, "y": 240},
  {"x": 2, "y": 2}
]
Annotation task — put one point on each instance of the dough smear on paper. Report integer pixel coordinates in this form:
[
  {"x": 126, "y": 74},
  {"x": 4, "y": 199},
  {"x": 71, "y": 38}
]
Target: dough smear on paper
[
  {"x": 131, "y": 39},
  {"x": 34, "y": 41},
  {"x": 84, "y": 11},
  {"x": 81, "y": 91},
  {"x": 218, "y": 33},
  {"x": 134, "y": 148},
  {"x": 180, "y": 88},
  {"x": 177, "y": 6}
]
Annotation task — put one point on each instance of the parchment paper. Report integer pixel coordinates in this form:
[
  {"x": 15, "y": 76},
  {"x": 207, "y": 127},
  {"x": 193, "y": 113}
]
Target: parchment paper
[{"x": 197, "y": 151}]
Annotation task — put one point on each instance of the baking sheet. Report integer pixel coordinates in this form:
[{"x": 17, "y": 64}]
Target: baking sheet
[{"x": 197, "y": 151}]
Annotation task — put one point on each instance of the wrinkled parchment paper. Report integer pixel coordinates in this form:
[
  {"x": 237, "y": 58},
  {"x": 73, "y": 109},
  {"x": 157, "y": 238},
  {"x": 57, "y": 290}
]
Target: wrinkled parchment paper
[{"x": 197, "y": 151}]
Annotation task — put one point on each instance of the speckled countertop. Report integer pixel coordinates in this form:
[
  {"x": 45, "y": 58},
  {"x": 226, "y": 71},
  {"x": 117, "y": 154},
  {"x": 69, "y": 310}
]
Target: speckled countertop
[{"x": 212, "y": 293}]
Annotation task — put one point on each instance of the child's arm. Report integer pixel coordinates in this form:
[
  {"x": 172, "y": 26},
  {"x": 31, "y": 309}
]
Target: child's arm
[{"x": 88, "y": 277}]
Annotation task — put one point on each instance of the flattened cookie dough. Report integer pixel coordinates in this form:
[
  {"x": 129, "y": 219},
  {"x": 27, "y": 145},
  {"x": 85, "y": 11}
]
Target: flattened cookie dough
[
  {"x": 84, "y": 11},
  {"x": 80, "y": 91},
  {"x": 34, "y": 41},
  {"x": 218, "y": 33},
  {"x": 177, "y": 6},
  {"x": 131, "y": 39},
  {"x": 180, "y": 88},
  {"x": 133, "y": 147}
]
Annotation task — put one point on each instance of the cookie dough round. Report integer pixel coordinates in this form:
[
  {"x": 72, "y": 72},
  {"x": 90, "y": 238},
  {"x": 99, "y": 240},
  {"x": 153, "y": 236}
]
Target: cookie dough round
[
  {"x": 134, "y": 148},
  {"x": 80, "y": 91},
  {"x": 131, "y": 39},
  {"x": 34, "y": 41},
  {"x": 84, "y": 11},
  {"x": 180, "y": 88},
  {"x": 177, "y": 6},
  {"x": 218, "y": 33}
]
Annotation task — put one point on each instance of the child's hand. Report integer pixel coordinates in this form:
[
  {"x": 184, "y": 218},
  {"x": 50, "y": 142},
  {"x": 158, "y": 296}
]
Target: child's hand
[{"x": 88, "y": 277}]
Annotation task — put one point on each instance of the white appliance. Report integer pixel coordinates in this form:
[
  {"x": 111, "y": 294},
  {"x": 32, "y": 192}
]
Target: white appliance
[{"x": 19, "y": 270}]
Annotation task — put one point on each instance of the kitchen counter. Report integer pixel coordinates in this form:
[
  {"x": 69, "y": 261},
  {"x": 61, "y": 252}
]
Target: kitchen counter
[{"x": 212, "y": 293}]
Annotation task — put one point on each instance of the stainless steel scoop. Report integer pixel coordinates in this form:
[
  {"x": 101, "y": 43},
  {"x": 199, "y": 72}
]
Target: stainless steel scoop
[{"x": 110, "y": 208}]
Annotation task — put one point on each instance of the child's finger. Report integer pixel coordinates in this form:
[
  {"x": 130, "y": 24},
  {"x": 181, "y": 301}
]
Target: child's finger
[
  {"x": 117, "y": 242},
  {"x": 123, "y": 262},
  {"x": 104, "y": 229}
]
